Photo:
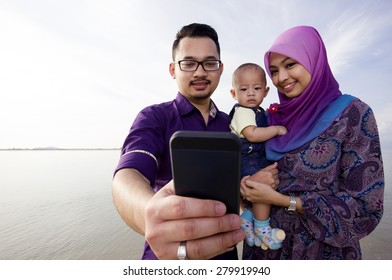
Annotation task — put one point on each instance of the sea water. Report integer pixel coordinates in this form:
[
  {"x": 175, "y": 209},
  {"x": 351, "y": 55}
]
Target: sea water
[{"x": 58, "y": 205}]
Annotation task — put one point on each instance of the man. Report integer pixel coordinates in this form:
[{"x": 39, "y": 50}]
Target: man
[{"x": 174, "y": 226}]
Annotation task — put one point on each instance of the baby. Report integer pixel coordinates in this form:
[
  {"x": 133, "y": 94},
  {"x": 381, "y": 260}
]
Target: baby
[{"x": 249, "y": 122}]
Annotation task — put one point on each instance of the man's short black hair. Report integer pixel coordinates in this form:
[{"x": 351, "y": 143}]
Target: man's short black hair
[{"x": 196, "y": 30}]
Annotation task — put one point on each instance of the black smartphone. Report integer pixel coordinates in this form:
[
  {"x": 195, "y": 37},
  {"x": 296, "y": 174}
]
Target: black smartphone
[{"x": 207, "y": 165}]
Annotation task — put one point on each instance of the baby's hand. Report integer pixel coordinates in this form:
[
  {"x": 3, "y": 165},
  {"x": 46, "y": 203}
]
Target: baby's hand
[{"x": 281, "y": 130}]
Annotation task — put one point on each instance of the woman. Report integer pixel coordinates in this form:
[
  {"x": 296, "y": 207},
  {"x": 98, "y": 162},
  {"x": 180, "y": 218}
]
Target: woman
[{"x": 330, "y": 167}]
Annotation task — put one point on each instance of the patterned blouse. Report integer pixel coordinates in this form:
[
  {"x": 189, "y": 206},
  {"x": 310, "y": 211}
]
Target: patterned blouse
[{"x": 340, "y": 179}]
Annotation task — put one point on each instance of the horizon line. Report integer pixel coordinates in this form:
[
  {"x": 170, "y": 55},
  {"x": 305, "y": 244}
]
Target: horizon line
[{"x": 54, "y": 149}]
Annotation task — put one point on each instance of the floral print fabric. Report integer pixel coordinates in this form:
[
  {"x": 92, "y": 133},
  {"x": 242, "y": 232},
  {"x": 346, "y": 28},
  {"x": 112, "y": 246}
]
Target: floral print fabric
[{"x": 340, "y": 179}]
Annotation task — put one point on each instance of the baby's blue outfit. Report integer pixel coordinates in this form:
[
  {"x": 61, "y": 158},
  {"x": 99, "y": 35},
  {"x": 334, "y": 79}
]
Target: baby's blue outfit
[{"x": 253, "y": 157}]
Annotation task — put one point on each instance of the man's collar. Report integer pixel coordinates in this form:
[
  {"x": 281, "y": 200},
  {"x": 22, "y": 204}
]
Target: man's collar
[{"x": 185, "y": 107}]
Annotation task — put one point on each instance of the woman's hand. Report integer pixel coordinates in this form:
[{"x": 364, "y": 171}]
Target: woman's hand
[
  {"x": 261, "y": 186},
  {"x": 267, "y": 175},
  {"x": 256, "y": 192}
]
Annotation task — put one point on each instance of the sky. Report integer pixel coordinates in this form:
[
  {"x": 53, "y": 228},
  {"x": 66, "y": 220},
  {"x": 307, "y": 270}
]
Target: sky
[{"x": 74, "y": 73}]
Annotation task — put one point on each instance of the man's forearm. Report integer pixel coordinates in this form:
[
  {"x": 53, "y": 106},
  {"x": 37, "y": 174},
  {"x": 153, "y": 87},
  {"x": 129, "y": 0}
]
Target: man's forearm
[{"x": 131, "y": 192}]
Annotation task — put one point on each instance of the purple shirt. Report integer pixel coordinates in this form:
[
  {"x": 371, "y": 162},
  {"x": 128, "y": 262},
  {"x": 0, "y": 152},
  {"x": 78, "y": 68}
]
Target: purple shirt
[{"x": 146, "y": 147}]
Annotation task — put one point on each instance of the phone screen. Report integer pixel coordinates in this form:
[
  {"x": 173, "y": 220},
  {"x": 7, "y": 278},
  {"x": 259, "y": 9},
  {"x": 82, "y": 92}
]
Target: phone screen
[{"x": 207, "y": 165}]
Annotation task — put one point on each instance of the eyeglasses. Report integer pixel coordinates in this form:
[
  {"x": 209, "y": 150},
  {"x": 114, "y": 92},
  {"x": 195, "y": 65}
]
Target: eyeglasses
[{"x": 192, "y": 65}]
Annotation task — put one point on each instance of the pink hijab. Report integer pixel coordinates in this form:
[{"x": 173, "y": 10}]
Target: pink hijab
[{"x": 308, "y": 115}]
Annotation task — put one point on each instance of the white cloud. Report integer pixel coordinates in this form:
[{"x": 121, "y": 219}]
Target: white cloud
[
  {"x": 75, "y": 73},
  {"x": 353, "y": 32},
  {"x": 61, "y": 89}
]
